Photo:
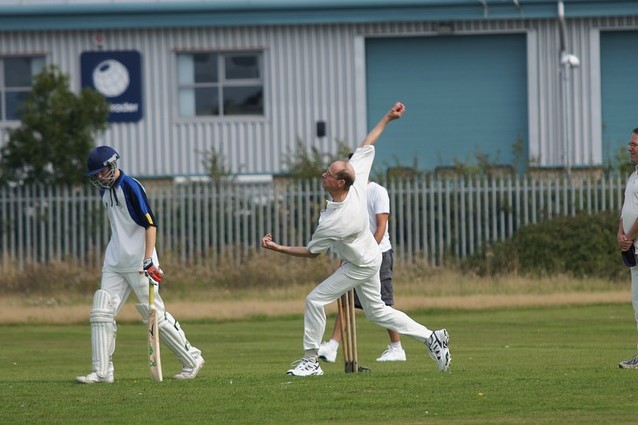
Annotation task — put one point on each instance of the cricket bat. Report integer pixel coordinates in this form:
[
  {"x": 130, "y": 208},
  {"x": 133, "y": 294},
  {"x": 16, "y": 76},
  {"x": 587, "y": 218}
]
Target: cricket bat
[{"x": 154, "y": 359}]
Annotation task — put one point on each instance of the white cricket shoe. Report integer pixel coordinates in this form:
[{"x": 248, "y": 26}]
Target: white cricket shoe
[
  {"x": 437, "y": 345},
  {"x": 629, "y": 364},
  {"x": 392, "y": 355},
  {"x": 328, "y": 352},
  {"x": 305, "y": 367},
  {"x": 191, "y": 372},
  {"x": 94, "y": 378}
]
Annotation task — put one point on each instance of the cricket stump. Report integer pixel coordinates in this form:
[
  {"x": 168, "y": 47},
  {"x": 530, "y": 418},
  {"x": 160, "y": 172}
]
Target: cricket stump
[{"x": 345, "y": 305}]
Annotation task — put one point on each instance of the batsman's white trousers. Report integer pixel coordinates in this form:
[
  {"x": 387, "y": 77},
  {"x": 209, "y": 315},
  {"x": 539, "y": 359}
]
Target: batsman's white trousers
[
  {"x": 120, "y": 285},
  {"x": 366, "y": 282}
]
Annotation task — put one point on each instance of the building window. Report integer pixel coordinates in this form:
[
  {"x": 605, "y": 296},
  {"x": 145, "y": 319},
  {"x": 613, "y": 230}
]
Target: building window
[
  {"x": 220, "y": 84},
  {"x": 17, "y": 79}
]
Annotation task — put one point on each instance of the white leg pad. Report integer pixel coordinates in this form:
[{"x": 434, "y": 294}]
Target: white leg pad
[
  {"x": 173, "y": 336},
  {"x": 175, "y": 339},
  {"x": 103, "y": 331}
]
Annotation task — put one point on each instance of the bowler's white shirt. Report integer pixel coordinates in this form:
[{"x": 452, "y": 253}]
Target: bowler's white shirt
[{"x": 344, "y": 226}]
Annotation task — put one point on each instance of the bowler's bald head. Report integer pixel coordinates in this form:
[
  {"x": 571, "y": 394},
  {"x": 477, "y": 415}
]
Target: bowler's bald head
[{"x": 344, "y": 171}]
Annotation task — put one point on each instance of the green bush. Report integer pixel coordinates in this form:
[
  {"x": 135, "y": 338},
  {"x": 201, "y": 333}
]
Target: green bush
[{"x": 580, "y": 246}]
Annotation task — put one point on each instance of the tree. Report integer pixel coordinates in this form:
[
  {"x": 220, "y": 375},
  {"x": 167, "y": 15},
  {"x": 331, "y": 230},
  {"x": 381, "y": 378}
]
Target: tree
[
  {"x": 56, "y": 132},
  {"x": 304, "y": 165},
  {"x": 214, "y": 162}
]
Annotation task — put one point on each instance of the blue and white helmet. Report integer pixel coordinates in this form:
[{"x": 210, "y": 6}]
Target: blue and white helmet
[{"x": 100, "y": 158}]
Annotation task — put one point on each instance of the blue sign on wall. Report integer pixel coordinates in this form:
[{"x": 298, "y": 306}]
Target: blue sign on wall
[{"x": 117, "y": 75}]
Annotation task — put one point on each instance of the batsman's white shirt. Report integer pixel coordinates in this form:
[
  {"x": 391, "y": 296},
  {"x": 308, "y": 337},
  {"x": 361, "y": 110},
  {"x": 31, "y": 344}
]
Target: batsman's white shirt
[
  {"x": 342, "y": 226},
  {"x": 129, "y": 215}
]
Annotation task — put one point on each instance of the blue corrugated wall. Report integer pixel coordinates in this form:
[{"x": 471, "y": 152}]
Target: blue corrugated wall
[
  {"x": 461, "y": 92},
  {"x": 619, "y": 87}
]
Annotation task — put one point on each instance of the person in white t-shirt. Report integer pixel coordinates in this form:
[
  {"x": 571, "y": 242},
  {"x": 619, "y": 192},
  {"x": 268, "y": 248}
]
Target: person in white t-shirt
[
  {"x": 129, "y": 262},
  {"x": 378, "y": 214},
  {"x": 627, "y": 235},
  {"x": 344, "y": 228}
]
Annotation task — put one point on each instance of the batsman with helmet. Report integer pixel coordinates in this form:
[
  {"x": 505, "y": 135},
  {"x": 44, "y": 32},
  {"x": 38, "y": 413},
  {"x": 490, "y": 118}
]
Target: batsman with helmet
[{"x": 129, "y": 262}]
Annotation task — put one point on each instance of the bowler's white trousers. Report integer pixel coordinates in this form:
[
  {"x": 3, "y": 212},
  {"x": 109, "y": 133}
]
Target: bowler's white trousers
[{"x": 366, "y": 282}]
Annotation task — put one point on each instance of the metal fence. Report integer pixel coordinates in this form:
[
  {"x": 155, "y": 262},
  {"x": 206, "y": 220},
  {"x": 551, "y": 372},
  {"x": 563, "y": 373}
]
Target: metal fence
[{"x": 203, "y": 222}]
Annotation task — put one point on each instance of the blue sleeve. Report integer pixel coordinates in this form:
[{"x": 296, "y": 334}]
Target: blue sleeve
[{"x": 137, "y": 203}]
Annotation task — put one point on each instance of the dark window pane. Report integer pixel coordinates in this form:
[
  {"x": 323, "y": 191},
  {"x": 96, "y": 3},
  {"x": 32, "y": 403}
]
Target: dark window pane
[
  {"x": 241, "y": 67},
  {"x": 14, "y": 100},
  {"x": 17, "y": 72},
  {"x": 205, "y": 68},
  {"x": 206, "y": 101},
  {"x": 243, "y": 100}
]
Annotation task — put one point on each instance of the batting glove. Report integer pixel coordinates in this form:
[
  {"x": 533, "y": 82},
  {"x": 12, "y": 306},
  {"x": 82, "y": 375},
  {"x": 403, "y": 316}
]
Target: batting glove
[{"x": 152, "y": 271}]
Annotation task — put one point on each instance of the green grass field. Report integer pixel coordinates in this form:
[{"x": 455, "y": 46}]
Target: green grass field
[{"x": 522, "y": 366}]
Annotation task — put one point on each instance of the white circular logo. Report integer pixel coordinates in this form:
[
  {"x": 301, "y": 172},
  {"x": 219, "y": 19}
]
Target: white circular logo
[{"x": 111, "y": 78}]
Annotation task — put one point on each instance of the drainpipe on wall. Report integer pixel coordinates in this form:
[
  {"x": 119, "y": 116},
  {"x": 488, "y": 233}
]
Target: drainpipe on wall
[{"x": 568, "y": 61}]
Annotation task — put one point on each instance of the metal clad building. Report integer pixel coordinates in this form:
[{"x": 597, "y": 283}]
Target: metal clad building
[{"x": 477, "y": 77}]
